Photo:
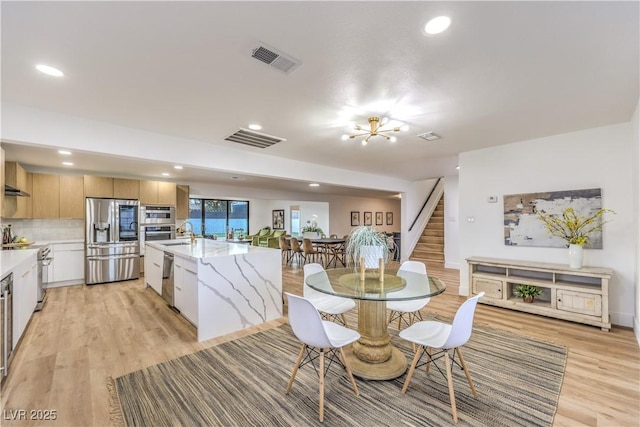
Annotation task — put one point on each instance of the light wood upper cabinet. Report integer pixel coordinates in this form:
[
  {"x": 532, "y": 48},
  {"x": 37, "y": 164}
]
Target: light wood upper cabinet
[
  {"x": 148, "y": 192},
  {"x": 182, "y": 201},
  {"x": 157, "y": 192},
  {"x": 126, "y": 188},
  {"x": 98, "y": 186},
  {"x": 71, "y": 197},
  {"x": 45, "y": 196},
  {"x": 16, "y": 206},
  {"x": 167, "y": 193}
]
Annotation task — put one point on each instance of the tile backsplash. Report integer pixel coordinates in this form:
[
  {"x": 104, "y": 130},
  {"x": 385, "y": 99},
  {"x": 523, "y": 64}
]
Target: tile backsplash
[{"x": 46, "y": 229}]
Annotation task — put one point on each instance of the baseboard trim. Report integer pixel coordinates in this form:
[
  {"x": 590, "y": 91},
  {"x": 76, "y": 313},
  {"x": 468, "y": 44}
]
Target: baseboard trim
[{"x": 452, "y": 265}]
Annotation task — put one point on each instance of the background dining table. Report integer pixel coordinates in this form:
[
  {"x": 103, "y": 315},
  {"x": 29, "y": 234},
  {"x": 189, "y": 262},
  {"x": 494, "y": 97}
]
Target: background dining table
[{"x": 330, "y": 247}]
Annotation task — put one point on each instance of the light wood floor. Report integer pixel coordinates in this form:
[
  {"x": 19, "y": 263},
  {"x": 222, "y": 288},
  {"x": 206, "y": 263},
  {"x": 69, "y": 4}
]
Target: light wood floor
[{"x": 88, "y": 333}]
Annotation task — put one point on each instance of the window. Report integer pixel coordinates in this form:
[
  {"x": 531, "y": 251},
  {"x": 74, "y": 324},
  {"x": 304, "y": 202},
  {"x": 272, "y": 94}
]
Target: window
[{"x": 217, "y": 217}]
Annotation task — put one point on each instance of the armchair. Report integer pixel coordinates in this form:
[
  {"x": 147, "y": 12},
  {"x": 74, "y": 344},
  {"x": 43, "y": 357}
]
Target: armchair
[{"x": 255, "y": 237}]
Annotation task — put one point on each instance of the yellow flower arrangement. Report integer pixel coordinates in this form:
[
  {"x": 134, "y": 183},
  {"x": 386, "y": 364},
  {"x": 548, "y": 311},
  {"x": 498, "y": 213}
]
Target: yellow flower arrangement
[{"x": 571, "y": 227}]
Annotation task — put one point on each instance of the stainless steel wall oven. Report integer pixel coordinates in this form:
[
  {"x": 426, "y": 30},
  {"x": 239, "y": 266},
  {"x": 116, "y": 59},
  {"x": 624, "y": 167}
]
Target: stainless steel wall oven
[
  {"x": 155, "y": 214},
  {"x": 155, "y": 232}
]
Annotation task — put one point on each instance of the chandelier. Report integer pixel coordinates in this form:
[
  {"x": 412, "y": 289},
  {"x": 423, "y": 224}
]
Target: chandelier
[{"x": 373, "y": 130}]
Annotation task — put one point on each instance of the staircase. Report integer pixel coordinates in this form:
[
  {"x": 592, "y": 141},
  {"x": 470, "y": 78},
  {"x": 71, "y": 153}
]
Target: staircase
[{"x": 430, "y": 246}]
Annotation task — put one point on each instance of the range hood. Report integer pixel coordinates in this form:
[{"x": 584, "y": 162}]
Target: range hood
[{"x": 12, "y": 191}]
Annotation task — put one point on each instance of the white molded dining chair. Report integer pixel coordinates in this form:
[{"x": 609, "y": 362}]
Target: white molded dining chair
[
  {"x": 319, "y": 338},
  {"x": 398, "y": 309},
  {"x": 329, "y": 306},
  {"x": 447, "y": 339}
]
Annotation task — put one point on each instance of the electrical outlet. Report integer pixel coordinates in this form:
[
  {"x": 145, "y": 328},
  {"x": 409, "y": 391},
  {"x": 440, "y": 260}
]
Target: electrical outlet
[{"x": 493, "y": 199}]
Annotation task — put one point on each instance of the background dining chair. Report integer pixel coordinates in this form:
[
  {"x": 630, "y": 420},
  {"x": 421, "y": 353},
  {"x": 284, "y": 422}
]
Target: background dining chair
[
  {"x": 410, "y": 308},
  {"x": 447, "y": 339},
  {"x": 329, "y": 306},
  {"x": 296, "y": 251},
  {"x": 319, "y": 339},
  {"x": 285, "y": 248},
  {"x": 310, "y": 252}
]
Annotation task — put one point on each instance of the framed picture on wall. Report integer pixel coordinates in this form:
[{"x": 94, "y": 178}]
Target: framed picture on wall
[
  {"x": 379, "y": 218},
  {"x": 367, "y": 218},
  {"x": 389, "y": 218},
  {"x": 278, "y": 219},
  {"x": 355, "y": 218}
]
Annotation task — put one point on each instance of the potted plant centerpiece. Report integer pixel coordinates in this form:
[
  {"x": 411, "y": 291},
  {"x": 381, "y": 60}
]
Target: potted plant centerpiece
[
  {"x": 365, "y": 243},
  {"x": 311, "y": 230},
  {"x": 527, "y": 292},
  {"x": 574, "y": 229}
]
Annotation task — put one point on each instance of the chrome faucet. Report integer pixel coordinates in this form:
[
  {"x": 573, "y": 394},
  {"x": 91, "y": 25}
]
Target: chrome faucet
[{"x": 183, "y": 229}]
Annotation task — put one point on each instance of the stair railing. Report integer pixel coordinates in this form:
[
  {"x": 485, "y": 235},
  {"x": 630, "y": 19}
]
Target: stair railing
[
  {"x": 411, "y": 239},
  {"x": 425, "y": 203}
]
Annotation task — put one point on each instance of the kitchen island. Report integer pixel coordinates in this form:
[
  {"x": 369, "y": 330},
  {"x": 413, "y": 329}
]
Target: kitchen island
[{"x": 220, "y": 287}]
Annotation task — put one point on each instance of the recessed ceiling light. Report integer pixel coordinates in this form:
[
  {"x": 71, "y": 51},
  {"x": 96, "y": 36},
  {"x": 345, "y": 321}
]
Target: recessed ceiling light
[
  {"x": 165, "y": 174},
  {"x": 178, "y": 167},
  {"x": 437, "y": 25},
  {"x": 458, "y": 167},
  {"x": 313, "y": 184},
  {"x": 67, "y": 163},
  {"x": 255, "y": 126},
  {"x": 64, "y": 152},
  {"x": 49, "y": 70},
  {"x": 239, "y": 178}
]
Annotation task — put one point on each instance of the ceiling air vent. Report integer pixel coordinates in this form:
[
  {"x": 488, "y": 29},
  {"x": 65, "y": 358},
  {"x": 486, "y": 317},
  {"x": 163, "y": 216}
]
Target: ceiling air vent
[
  {"x": 429, "y": 136},
  {"x": 254, "y": 139},
  {"x": 274, "y": 58}
]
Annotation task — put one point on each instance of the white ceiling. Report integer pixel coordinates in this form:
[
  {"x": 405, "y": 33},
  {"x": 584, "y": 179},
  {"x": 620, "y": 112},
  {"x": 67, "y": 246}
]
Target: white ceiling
[{"x": 503, "y": 72}]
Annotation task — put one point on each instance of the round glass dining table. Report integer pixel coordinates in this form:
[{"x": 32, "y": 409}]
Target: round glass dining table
[{"x": 373, "y": 357}]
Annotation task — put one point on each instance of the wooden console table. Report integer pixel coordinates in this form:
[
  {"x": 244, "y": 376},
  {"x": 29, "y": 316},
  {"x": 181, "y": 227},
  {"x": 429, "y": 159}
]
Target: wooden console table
[{"x": 575, "y": 294}]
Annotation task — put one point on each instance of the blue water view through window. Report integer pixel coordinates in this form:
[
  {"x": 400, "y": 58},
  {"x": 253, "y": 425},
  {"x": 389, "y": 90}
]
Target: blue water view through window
[{"x": 218, "y": 217}]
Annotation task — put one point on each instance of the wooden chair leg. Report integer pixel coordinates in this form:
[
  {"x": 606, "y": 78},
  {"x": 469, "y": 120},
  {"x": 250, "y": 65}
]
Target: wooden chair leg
[
  {"x": 452, "y": 396},
  {"x": 466, "y": 371},
  {"x": 416, "y": 358},
  {"x": 321, "y": 381},
  {"x": 295, "y": 368},
  {"x": 348, "y": 369},
  {"x": 429, "y": 350},
  {"x": 344, "y": 320}
]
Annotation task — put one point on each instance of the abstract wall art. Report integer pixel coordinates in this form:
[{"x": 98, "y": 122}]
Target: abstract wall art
[{"x": 523, "y": 228}]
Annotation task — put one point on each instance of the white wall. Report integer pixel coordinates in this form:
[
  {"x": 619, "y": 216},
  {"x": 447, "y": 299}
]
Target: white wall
[
  {"x": 635, "y": 126},
  {"x": 451, "y": 225},
  {"x": 593, "y": 158}
]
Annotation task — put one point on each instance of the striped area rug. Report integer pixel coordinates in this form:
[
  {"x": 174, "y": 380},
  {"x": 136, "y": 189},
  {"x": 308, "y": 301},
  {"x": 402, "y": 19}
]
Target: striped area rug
[{"x": 242, "y": 383}]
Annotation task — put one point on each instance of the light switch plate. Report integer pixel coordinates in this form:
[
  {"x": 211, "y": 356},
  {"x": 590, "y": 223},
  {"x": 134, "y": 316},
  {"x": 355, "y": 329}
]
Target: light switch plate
[{"x": 493, "y": 199}]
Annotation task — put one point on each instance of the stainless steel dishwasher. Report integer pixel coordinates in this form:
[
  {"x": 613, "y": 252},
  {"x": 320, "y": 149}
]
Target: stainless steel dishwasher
[{"x": 167, "y": 278}]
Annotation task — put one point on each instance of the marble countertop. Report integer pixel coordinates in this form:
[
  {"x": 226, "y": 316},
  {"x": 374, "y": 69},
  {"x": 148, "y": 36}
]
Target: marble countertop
[
  {"x": 9, "y": 260},
  {"x": 51, "y": 242},
  {"x": 205, "y": 248}
]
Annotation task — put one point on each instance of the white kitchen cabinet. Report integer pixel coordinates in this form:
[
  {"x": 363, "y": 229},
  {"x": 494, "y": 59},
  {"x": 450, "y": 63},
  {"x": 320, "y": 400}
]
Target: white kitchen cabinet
[
  {"x": 25, "y": 295},
  {"x": 68, "y": 262},
  {"x": 185, "y": 277},
  {"x": 153, "y": 259}
]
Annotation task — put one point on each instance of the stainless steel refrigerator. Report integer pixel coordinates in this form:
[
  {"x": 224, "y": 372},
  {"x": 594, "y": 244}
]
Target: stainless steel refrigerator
[{"x": 112, "y": 241}]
